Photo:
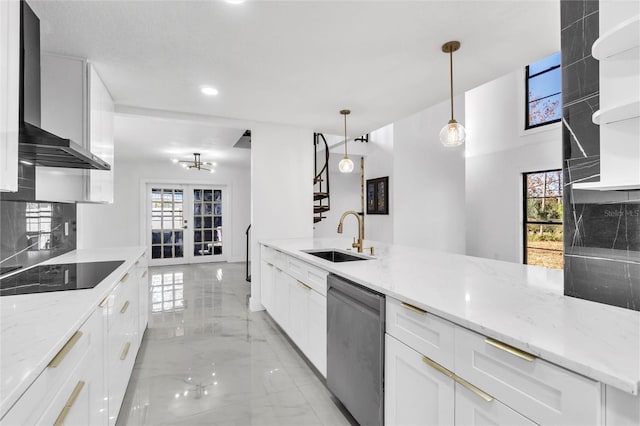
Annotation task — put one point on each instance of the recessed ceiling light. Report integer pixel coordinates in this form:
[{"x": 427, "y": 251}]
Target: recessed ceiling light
[
  {"x": 208, "y": 90},
  {"x": 234, "y": 1}
]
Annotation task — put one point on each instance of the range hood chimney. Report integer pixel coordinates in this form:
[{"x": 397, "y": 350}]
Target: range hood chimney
[{"x": 37, "y": 146}]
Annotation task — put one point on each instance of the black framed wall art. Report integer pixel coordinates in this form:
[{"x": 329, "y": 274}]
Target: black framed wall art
[{"x": 378, "y": 195}]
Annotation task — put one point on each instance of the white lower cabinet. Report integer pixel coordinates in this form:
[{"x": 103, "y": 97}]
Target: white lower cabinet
[
  {"x": 474, "y": 410},
  {"x": 296, "y": 300},
  {"x": 266, "y": 285},
  {"x": 415, "y": 392},
  {"x": 317, "y": 331},
  {"x": 143, "y": 297}
]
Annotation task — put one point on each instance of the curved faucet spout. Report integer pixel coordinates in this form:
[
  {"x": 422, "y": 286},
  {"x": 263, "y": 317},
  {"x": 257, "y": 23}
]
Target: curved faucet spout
[{"x": 357, "y": 245}]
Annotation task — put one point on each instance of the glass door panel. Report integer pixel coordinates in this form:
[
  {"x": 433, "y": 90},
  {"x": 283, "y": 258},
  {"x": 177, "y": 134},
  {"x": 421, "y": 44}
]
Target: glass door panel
[
  {"x": 167, "y": 223},
  {"x": 207, "y": 222}
]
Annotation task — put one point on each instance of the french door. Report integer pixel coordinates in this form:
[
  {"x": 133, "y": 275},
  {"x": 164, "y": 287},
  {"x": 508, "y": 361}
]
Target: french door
[{"x": 185, "y": 223}]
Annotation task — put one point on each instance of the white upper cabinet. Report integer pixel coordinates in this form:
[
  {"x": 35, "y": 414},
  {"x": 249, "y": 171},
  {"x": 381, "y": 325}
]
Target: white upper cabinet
[
  {"x": 9, "y": 93},
  {"x": 76, "y": 105}
]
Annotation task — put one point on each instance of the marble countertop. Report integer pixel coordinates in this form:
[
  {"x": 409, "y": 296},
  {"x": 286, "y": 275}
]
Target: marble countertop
[
  {"x": 521, "y": 305},
  {"x": 34, "y": 327}
]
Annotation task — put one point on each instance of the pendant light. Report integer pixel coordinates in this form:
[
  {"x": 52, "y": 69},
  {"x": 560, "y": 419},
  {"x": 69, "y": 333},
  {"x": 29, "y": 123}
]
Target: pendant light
[
  {"x": 196, "y": 163},
  {"x": 345, "y": 165},
  {"x": 453, "y": 133}
]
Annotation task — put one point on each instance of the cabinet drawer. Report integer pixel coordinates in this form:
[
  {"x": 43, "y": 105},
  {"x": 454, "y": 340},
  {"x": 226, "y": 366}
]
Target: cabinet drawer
[
  {"x": 29, "y": 408},
  {"x": 541, "y": 391},
  {"x": 123, "y": 304},
  {"x": 472, "y": 410},
  {"x": 266, "y": 254},
  {"x": 426, "y": 333},
  {"x": 315, "y": 278}
]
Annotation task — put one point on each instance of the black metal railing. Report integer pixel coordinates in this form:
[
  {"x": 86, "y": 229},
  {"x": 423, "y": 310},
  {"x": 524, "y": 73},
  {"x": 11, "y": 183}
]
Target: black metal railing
[{"x": 248, "y": 267}]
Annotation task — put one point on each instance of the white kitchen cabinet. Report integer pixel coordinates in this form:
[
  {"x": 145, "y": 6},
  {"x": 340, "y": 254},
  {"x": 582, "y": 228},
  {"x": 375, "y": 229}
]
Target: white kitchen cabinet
[
  {"x": 317, "y": 331},
  {"x": 9, "y": 90},
  {"x": 541, "y": 391},
  {"x": 266, "y": 285},
  {"x": 141, "y": 271},
  {"x": 473, "y": 410},
  {"x": 280, "y": 311},
  {"x": 298, "y": 317},
  {"x": 76, "y": 104},
  {"x": 416, "y": 393},
  {"x": 77, "y": 369}
]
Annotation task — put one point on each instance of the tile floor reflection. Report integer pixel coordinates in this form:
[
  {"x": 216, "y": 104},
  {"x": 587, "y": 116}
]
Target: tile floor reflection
[{"x": 207, "y": 360}]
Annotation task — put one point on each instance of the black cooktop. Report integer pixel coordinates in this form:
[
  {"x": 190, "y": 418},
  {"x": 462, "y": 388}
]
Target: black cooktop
[{"x": 66, "y": 276}]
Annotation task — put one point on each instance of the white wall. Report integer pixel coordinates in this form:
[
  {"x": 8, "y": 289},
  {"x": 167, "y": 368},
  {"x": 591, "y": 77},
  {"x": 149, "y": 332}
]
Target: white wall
[
  {"x": 429, "y": 182},
  {"x": 379, "y": 163},
  {"x": 281, "y": 184},
  {"x": 498, "y": 152},
  {"x": 118, "y": 224}
]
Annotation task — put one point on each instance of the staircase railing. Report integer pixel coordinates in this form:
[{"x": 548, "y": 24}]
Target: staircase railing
[
  {"x": 248, "y": 269},
  {"x": 321, "y": 179}
]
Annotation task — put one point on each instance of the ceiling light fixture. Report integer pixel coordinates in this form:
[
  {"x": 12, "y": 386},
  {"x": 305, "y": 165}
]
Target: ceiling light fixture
[
  {"x": 209, "y": 91},
  {"x": 345, "y": 165},
  {"x": 453, "y": 133},
  {"x": 196, "y": 163},
  {"x": 235, "y": 1}
]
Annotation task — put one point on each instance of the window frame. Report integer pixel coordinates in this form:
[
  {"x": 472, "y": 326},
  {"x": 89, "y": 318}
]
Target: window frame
[
  {"x": 527, "y": 77},
  {"x": 525, "y": 216}
]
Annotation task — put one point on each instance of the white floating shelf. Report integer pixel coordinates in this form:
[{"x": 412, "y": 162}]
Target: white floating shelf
[
  {"x": 623, "y": 37},
  {"x": 620, "y": 112},
  {"x": 603, "y": 186}
]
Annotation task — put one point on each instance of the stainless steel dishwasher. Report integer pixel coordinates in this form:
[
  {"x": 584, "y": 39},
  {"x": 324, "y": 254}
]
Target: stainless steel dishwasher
[{"x": 355, "y": 349}]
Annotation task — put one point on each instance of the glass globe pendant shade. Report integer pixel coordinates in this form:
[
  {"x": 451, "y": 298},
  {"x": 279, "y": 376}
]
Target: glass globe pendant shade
[
  {"x": 345, "y": 165},
  {"x": 453, "y": 134}
]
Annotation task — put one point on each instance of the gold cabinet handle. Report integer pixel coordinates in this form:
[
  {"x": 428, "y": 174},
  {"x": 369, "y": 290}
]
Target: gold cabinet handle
[
  {"x": 482, "y": 394},
  {"x": 104, "y": 302},
  {"x": 507, "y": 348},
  {"x": 125, "y": 351},
  {"x": 144, "y": 274},
  {"x": 303, "y": 285},
  {"x": 69, "y": 404},
  {"x": 437, "y": 366},
  {"x": 124, "y": 307},
  {"x": 124, "y": 277},
  {"x": 137, "y": 262},
  {"x": 414, "y": 308},
  {"x": 65, "y": 349}
]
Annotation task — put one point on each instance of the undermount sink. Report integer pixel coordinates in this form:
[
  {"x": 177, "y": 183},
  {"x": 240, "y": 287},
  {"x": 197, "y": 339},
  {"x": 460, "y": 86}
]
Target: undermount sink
[{"x": 335, "y": 255}]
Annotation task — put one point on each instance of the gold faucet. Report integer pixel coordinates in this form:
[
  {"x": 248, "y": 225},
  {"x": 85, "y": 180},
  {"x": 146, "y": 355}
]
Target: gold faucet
[{"x": 358, "y": 244}]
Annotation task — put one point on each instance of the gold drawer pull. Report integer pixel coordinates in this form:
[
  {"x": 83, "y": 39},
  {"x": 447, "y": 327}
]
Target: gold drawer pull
[
  {"x": 144, "y": 274},
  {"x": 473, "y": 389},
  {"x": 414, "y": 308},
  {"x": 437, "y": 366},
  {"x": 303, "y": 285},
  {"x": 137, "y": 262},
  {"x": 104, "y": 302},
  {"x": 507, "y": 348},
  {"x": 125, "y": 351},
  {"x": 124, "y": 307},
  {"x": 65, "y": 349},
  {"x": 124, "y": 277},
  {"x": 69, "y": 404}
]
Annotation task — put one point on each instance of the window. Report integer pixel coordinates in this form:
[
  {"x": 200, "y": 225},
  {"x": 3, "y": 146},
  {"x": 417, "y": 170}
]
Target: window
[
  {"x": 39, "y": 230},
  {"x": 543, "y": 84},
  {"x": 543, "y": 219}
]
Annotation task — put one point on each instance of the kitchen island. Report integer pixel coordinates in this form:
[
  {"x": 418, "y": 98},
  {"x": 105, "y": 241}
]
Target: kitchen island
[
  {"x": 38, "y": 328},
  {"x": 519, "y": 307}
]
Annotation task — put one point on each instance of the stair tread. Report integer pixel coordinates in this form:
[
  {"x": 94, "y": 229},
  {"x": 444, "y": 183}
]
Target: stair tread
[
  {"x": 320, "y": 209},
  {"x": 320, "y": 195}
]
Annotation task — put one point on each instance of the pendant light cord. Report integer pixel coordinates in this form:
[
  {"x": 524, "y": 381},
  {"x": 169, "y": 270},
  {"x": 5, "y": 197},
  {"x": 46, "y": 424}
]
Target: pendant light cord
[
  {"x": 345, "y": 136},
  {"x": 451, "y": 79}
]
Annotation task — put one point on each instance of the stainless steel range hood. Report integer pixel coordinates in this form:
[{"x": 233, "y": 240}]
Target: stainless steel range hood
[
  {"x": 37, "y": 146},
  {"x": 42, "y": 148}
]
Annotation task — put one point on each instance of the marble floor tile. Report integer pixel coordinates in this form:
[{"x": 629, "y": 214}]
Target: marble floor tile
[{"x": 207, "y": 360}]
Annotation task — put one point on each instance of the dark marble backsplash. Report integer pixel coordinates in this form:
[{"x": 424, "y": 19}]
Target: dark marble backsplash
[
  {"x": 31, "y": 232},
  {"x": 601, "y": 228}
]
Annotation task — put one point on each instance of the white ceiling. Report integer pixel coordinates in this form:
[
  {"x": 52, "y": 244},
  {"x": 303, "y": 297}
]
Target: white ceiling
[
  {"x": 156, "y": 139},
  {"x": 298, "y": 62}
]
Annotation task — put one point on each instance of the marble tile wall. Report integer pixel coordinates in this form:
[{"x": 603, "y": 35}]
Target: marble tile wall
[
  {"x": 601, "y": 229},
  {"x": 31, "y": 232}
]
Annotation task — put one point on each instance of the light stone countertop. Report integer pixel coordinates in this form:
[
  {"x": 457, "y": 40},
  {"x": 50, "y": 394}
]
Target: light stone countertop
[
  {"x": 520, "y": 305},
  {"x": 34, "y": 327}
]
